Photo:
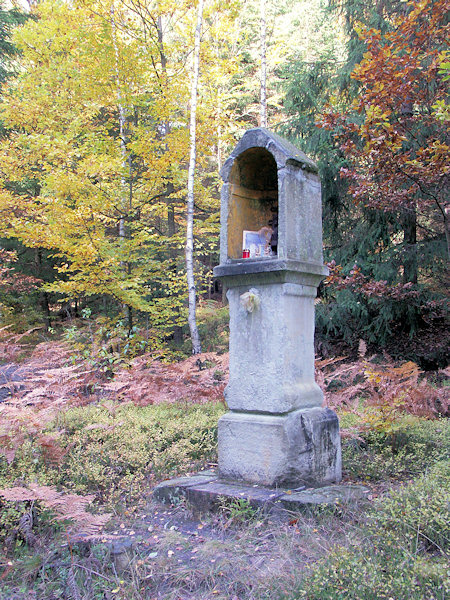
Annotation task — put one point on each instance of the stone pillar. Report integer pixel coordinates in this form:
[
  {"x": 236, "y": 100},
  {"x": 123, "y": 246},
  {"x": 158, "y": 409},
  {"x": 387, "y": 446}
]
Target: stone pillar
[{"x": 276, "y": 432}]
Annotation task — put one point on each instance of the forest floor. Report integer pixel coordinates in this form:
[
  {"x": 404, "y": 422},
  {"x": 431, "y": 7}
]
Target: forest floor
[{"x": 67, "y": 427}]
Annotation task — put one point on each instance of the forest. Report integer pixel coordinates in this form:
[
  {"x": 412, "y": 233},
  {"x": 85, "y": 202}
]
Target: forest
[{"x": 116, "y": 117}]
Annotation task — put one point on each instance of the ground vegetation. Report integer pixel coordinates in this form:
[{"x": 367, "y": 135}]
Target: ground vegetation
[{"x": 81, "y": 454}]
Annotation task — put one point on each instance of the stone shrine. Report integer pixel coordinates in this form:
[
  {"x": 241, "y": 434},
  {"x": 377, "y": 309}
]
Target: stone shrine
[{"x": 276, "y": 432}]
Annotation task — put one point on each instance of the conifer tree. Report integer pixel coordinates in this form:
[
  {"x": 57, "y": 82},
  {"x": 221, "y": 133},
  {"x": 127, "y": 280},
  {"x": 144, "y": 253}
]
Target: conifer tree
[
  {"x": 9, "y": 19},
  {"x": 384, "y": 244}
]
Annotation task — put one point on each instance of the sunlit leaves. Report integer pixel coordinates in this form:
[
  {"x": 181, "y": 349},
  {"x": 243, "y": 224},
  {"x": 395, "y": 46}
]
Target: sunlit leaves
[
  {"x": 70, "y": 182},
  {"x": 402, "y": 162}
]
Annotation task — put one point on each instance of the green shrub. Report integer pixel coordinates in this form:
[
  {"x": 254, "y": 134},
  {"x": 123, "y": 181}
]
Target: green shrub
[
  {"x": 107, "y": 343},
  {"x": 213, "y": 327},
  {"x": 116, "y": 452},
  {"x": 400, "y": 554},
  {"x": 415, "y": 445},
  {"x": 418, "y": 514},
  {"x": 376, "y": 574}
]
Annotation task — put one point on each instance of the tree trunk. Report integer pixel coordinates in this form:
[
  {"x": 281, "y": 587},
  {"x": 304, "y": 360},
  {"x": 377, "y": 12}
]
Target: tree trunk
[
  {"x": 171, "y": 226},
  {"x": 127, "y": 190},
  {"x": 409, "y": 224},
  {"x": 43, "y": 296},
  {"x": 263, "y": 32},
  {"x": 447, "y": 229},
  {"x": 178, "y": 330},
  {"x": 196, "y": 346}
]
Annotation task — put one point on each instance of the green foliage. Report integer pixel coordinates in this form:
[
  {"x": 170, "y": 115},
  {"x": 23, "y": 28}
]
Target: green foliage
[
  {"x": 107, "y": 201},
  {"x": 117, "y": 451},
  {"x": 9, "y": 19},
  {"x": 418, "y": 513},
  {"x": 383, "y": 243},
  {"x": 23, "y": 272},
  {"x": 375, "y": 574},
  {"x": 107, "y": 343},
  {"x": 308, "y": 86},
  {"x": 414, "y": 445},
  {"x": 213, "y": 326},
  {"x": 9, "y": 516},
  {"x": 238, "y": 510},
  {"x": 353, "y": 14},
  {"x": 412, "y": 327},
  {"x": 403, "y": 552}
]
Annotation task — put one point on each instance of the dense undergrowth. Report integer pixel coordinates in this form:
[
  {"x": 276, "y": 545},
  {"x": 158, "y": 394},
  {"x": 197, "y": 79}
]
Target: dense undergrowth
[
  {"x": 401, "y": 551},
  {"x": 117, "y": 451},
  {"x": 415, "y": 446},
  {"x": 394, "y": 547},
  {"x": 73, "y": 438}
]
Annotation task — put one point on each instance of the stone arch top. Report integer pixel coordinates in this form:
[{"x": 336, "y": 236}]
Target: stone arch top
[
  {"x": 270, "y": 205},
  {"x": 282, "y": 151}
]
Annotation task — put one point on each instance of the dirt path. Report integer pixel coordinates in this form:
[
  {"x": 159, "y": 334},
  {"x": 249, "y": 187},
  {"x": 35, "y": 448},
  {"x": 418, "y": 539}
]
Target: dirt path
[{"x": 232, "y": 554}]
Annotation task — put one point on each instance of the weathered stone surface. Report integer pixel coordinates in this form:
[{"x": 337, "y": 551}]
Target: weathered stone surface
[
  {"x": 276, "y": 432},
  {"x": 300, "y": 215},
  {"x": 282, "y": 150},
  {"x": 301, "y": 447},
  {"x": 293, "y": 176},
  {"x": 173, "y": 490},
  {"x": 272, "y": 350},
  {"x": 332, "y": 494},
  {"x": 208, "y": 496},
  {"x": 121, "y": 553},
  {"x": 275, "y": 270}
]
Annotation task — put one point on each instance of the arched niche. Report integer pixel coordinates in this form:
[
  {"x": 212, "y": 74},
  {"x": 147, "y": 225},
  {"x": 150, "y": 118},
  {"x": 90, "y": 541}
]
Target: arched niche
[{"x": 253, "y": 200}]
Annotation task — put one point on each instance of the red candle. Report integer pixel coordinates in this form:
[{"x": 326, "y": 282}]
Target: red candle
[{"x": 245, "y": 253}]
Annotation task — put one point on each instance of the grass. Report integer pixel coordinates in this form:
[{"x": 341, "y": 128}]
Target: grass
[
  {"x": 394, "y": 546},
  {"x": 116, "y": 451}
]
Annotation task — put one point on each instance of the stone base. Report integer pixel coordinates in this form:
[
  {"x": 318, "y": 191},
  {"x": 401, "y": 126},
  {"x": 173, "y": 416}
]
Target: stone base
[
  {"x": 301, "y": 448},
  {"x": 206, "y": 492}
]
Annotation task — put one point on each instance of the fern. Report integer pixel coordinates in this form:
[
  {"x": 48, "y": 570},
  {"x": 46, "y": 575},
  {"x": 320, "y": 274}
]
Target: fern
[
  {"x": 72, "y": 585},
  {"x": 387, "y": 388},
  {"x": 65, "y": 507}
]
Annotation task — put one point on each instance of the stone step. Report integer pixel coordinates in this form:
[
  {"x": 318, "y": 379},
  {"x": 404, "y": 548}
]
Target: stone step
[{"x": 206, "y": 491}]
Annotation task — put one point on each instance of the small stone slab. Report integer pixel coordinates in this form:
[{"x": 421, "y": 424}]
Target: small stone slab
[
  {"x": 208, "y": 496},
  {"x": 331, "y": 494},
  {"x": 173, "y": 491},
  {"x": 205, "y": 492}
]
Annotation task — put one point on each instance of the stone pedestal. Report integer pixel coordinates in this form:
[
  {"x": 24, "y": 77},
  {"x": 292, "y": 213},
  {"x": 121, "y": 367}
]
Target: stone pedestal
[
  {"x": 272, "y": 342},
  {"x": 276, "y": 433},
  {"x": 298, "y": 449}
]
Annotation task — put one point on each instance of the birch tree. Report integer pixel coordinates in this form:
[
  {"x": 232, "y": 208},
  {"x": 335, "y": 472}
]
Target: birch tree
[
  {"x": 196, "y": 345},
  {"x": 126, "y": 186},
  {"x": 99, "y": 121}
]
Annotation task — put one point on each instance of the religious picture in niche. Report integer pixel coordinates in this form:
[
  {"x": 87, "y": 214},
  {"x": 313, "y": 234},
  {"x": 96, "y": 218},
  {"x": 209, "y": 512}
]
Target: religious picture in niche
[{"x": 258, "y": 242}]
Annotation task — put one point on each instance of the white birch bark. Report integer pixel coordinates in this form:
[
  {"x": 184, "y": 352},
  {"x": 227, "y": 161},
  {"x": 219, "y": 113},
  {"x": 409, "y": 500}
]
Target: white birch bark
[
  {"x": 196, "y": 346},
  {"x": 263, "y": 35}
]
